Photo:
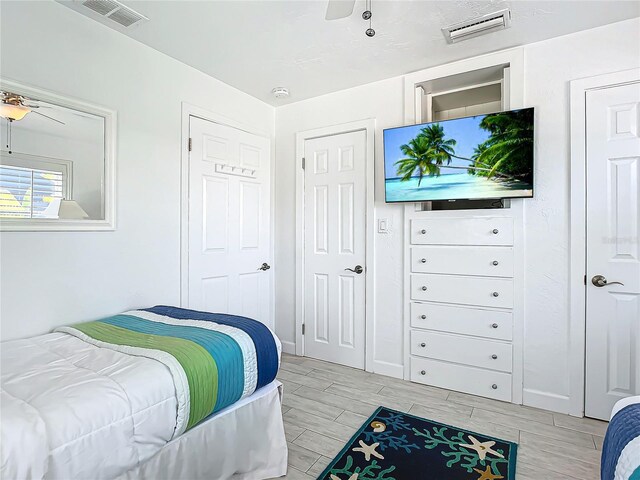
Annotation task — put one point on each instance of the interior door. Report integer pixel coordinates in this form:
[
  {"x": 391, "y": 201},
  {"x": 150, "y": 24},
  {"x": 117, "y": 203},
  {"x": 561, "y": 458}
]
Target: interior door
[
  {"x": 613, "y": 251},
  {"x": 334, "y": 243},
  {"x": 229, "y": 221}
]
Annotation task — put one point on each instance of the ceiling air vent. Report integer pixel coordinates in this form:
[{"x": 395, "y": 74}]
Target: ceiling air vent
[
  {"x": 114, "y": 11},
  {"x": 478, "y": 26}
]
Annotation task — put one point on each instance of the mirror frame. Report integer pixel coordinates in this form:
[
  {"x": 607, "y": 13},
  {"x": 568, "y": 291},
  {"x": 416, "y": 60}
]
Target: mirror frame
[{"x": 109, "y": 190}]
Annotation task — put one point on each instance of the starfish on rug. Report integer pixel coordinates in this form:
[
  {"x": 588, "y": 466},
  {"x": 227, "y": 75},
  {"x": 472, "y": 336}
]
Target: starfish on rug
[
  {"x": 368, "y": 450},
  {"x": 487, "y": 474},
  {"x": 352, "y": 477},
  {"x": 482, "y": 447}
]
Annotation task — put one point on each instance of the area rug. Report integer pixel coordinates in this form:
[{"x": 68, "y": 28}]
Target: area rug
[{"x": 393, "y": 445}]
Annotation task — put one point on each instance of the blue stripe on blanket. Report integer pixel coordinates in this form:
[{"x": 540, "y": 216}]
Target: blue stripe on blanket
[
  {"x": 224, "y": 350},
  {"x": 622, "y": 429},
  {"x": 266, "y": 352}
]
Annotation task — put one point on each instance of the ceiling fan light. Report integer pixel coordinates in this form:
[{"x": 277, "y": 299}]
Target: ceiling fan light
[{"x": 13, "y": 112}]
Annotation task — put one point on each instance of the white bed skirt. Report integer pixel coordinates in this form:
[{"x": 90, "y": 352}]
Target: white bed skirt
[{"x": 245, "y": 441}]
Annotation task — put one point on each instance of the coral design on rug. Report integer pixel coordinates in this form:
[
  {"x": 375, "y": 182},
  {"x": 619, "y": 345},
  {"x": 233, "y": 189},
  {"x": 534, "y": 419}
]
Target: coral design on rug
[{"x": 393, "y": 445}]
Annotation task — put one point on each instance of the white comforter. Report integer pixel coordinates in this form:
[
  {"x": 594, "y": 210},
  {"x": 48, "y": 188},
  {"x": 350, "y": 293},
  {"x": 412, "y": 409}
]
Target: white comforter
[{"x": 55, "y": 393}]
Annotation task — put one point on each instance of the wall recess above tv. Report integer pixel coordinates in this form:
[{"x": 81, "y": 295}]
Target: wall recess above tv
[{"x": 480, "y": 157}]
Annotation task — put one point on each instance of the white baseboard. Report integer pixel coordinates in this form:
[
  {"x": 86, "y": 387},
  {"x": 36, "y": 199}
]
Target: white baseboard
[
  {"x": 288, "y": 347},
  {"x": 389, "y": 369},
  {"x": 546, "y": 400}
]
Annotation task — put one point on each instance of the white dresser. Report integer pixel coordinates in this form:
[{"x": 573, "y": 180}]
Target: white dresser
[{"x": 463, "y": 301}]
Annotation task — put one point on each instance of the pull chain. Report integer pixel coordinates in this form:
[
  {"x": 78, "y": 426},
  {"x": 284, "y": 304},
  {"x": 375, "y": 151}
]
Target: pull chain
[
  {"x": 9, "y": 135},
  {"x": 370, "y": 32}
]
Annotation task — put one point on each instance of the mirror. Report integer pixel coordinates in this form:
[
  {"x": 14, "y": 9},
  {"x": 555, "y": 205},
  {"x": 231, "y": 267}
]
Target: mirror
[{"x": 56, "y": 162}]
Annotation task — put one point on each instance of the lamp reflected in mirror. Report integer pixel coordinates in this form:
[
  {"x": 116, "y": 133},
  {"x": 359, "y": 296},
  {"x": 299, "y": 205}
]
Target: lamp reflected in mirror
[
  {"x": 65, "y": 209},
  {"x": 69, "y": 209}
]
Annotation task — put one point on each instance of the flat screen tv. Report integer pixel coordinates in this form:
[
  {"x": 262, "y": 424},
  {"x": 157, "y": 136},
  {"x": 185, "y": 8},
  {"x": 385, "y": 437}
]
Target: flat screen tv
[{"x": 482, "y": 157}]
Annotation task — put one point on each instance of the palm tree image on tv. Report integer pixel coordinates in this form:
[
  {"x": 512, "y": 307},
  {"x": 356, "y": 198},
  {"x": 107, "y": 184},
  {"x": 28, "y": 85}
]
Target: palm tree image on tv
[{"x": 488, "y": 156}]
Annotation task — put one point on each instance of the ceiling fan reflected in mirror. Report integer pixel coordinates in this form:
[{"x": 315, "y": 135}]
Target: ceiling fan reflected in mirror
[
  {"x": 337, "y": 9},
  {"x": 15, "y": 107}
]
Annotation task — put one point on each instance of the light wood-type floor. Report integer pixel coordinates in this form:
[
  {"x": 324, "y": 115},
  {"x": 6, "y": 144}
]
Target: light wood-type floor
[{"x": 324, "y": 404}]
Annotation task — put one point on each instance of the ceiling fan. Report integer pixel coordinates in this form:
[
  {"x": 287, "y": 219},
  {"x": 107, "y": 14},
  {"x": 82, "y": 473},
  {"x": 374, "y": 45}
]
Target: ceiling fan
[
  {"x": 15, "y": 107},
  {"x": 337, "y": 9}
]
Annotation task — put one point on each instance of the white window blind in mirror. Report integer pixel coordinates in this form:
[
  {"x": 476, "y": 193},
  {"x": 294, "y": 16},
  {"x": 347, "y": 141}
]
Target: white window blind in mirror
[{"x": 29, "y": 192}]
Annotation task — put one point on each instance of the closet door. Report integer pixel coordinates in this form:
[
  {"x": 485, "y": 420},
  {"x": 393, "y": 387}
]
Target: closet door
[
  {"x": 334, "y": 248},
  {"x": 229, "y": 222},
  {"x": 613, "y": 253}
]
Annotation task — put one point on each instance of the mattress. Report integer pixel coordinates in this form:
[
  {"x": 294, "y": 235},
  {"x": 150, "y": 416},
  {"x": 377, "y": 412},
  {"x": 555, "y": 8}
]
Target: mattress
[
  {"x": 621, "y": 448},
  {"x": 71, "y": 409}
]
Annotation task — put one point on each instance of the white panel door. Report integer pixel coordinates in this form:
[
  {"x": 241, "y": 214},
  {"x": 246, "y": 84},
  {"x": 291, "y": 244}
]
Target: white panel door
[
  {"x": 334, "y": 241},
  {"x": 613, "y": 251},
  {"x": 229, "y": 221}
]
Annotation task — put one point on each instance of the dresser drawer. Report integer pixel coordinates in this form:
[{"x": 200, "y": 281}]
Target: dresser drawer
[
  {"x": 462, "y": 231},
  {"x": 456, "y": 260},
  {"x": 483, "y": 291},
  {"x": 459, "y": 349},
  {"x": 475, "y": 381},
  {"x": 466, "y": 320}
]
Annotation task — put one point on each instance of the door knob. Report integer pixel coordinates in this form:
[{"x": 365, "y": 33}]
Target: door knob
[
  {"x": 264, "y": 267},
  {"x": 423, "y": 260},
  {"x": 601, "y": 281},
  {"x": 357, "y": 270}
]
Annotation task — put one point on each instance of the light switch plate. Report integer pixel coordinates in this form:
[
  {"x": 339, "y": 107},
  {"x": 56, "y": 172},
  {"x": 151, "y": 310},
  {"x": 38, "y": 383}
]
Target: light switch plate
[{"x": 383, "y": 225}]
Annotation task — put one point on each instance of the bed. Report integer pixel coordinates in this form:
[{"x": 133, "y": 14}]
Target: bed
[
  {"x": 91, "y": 401},
  {"x": 621, "y": 448}
]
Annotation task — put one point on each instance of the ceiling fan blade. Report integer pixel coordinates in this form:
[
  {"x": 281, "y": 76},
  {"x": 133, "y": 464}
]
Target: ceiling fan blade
[
  {"x": 337, "y": 9},
  {"x": 47, "y": 116}
]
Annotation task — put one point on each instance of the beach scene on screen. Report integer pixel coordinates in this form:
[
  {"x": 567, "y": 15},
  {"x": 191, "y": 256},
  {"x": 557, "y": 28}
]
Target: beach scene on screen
[{"x": 482, "y": 157}]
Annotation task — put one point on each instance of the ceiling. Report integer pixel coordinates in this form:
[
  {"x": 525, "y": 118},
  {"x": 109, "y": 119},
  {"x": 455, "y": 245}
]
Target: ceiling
[{"x": 257, "y": 45}]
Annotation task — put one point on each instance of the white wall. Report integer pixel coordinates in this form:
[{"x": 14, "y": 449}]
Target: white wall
[
  {"x": 48, "y": 279},
  {"x": 549, "y": 66}
]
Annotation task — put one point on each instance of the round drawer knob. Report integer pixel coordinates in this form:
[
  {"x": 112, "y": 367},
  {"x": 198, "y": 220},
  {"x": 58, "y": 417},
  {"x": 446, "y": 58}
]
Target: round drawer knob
[
  {"x": 423, "y": 231},
  {"x": 494, "y": 356},
  {"x": 423, "y": 372},
  {"x": 423, "y": 344},
  {"x": 423, "y": 317},
  {"x": 495, "y": 231},
  {"x": 494, "y": 325},
  {"x": 495, "y": 294},
  {"x": 424, "y": 288},
  {"x": 494, "y": 386},
  {"x": 423, "y": 260},
  {"x": 495, "y": 263}
]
